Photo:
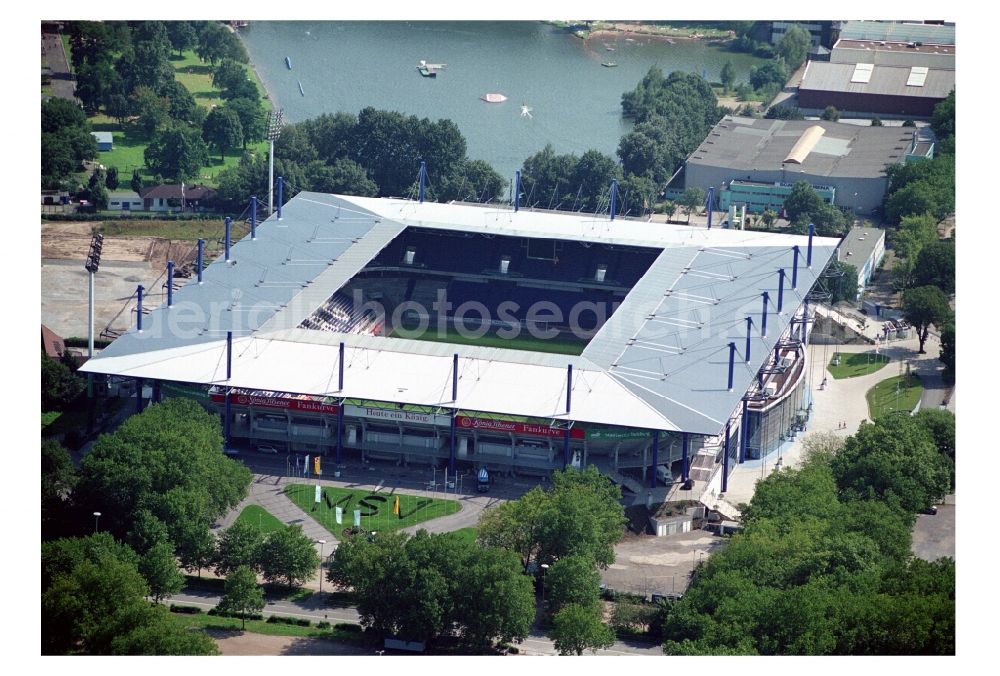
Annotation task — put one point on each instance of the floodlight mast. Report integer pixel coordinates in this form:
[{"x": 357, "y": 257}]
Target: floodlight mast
[
  {"x": 92, "y": 265},
  {"x": 273, "y": 132}
]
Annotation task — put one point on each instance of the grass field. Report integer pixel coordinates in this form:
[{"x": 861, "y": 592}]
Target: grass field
[
  {"x": 260, "y": 517},
  {"x": 377, "y": 511},
  {"x": 522, "y": 342},
  {"x": 190, "y": 230},
  {"x": 857, "y": 364},
  {"x": 470, "y": 534},
  {"x": 205, "y": 621},
  {"x": 899, "y": 393}
]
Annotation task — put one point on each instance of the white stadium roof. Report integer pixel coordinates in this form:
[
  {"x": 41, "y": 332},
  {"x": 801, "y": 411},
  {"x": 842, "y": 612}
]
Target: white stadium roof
[{"x": 660, "y": 362}]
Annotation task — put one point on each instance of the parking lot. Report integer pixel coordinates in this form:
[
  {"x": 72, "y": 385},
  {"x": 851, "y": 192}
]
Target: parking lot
[{"x": 934, "y": 536}]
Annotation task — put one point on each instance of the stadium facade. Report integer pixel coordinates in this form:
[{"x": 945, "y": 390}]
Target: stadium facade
[{"x": 624, "y": 344}]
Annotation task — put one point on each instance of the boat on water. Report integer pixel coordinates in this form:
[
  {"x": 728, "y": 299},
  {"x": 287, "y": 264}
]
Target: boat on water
[
  {"x": 609, "y": 48},
  {"x": 609, "y": 64},
  {"x": 493, "y": 97},
  {"x": 430, "y": 69},
  {"x": 301, "y": 90},
  {"x": 288, "y": 62}
]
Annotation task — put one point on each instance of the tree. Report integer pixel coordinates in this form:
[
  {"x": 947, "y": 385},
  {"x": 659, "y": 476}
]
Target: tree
[
  {"x": 831, "y": 114},
  {"x": 252, "y": 119},
  {"x": 182, "y": 35},
  {"x": 947, "y": 356},
  {"x": 243, "y": 595},
  {"x": 222, "y": 129},
  {"x": 111, "y": 181},
  {"x": 669, "y": 208},
  {"x": 941, "y": 425},
  {"x": 159, "y": 567},
  {"x": 58, "y": 479},
  {"x": 287, "y": 553},
  {"x": 794, "y": 46},
  {"x": 924, "y": 306},
  {"x": 894, "y": 460},
  {"x": 153, "y": 110},
  {"x": 770, "y": 76},
  {"x": 577, "y": 627},
  {"x": 935, "y": 266},
  {"x": 575, "y": 580},
  {"x": 943, "y": 122},
  {"x": 60, "y": 386},
  {"x": 216, "y": 42},
  {"x": 821, "y": 446},
  {"x": 180, "y": 102},
  {"x": 494, "y": 602},
  {"x": 228, "y": 74},
  {"x": 136, "y": 183},
  {"x": 691, "y": 201},
  {"x": 176, "y": 153},
  {"x": 727, "y": 75},
  {"x": 769, "y": 217},
  {"x": 781, "y": 112},
  {"x": 162, "y": 635},
  {"x": 802, "y": 201},
  {"x": 238, "y": 546}
]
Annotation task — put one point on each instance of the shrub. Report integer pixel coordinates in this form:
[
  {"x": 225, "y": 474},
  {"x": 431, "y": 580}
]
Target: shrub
[
  {"x": 322, "y": 624},
  {"x": 185, "y": 610},
  {"x": 348, "y": 627}
]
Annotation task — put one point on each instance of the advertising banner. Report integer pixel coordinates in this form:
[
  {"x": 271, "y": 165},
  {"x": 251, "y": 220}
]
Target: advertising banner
[
  {"x": 340, "y": 514},
  {"x": 616, "y": 434},
  {"x": 319, "y": 494},
  {"x": 396, "y": 415},
  {"x": 288, "y": 404},
  {"x": 357, "y": 518},
  {"x": 525, "y": 429}
]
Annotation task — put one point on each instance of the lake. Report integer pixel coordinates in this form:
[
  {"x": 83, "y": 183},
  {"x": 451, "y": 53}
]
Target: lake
[{"x": 575, "y": 102}]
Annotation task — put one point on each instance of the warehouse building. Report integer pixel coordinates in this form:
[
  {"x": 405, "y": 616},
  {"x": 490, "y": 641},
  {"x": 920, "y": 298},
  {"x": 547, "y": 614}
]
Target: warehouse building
[
  {"x": 864, "y": 248},
  {"x": 867, "y": 89},
  {"x": 883, "y": 53},
  {"x": 755, "y": 162},
  {"x": 299, "y": 337}
]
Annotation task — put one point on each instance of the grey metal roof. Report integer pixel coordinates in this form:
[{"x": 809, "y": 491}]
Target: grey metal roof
[
  {"x": 861, "y": 243},
  {"x": 664, "y": 354},
  {"x": 897, "y": 31},
  {"x": 846, "y": 150},
  {"x": 885, "y": 80}
]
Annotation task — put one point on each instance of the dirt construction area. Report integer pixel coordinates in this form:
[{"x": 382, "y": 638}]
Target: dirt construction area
[
  {"x": 647, "y": 564},
  {"x": 232, "y": 642},
  {"x": 126, "y": 262}
]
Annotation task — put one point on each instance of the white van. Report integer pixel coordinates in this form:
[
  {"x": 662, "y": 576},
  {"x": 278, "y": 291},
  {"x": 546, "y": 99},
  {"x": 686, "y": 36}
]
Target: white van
[{"x": 663, "y": 474}]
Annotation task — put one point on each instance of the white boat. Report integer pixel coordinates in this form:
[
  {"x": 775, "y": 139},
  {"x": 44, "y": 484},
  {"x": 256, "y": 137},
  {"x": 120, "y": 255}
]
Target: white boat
[{"x": 493, "y": 97}]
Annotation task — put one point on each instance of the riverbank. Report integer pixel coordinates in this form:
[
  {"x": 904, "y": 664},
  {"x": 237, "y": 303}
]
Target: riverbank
[
  {"x": 607, "y": 29},
  {"x": 268, "y": 94}
]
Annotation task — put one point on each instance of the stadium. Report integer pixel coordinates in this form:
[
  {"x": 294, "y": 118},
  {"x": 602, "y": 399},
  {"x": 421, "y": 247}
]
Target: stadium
[{"x": 481, "y": 336}]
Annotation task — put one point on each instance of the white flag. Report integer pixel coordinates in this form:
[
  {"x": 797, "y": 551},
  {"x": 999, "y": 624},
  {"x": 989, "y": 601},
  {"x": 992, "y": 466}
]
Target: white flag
[
  {"x": 319, "y": 493},
  {"x": 357, "y": 518},
  {"x": 340, "y": 514},
  {"x": 305, "y": 467}
]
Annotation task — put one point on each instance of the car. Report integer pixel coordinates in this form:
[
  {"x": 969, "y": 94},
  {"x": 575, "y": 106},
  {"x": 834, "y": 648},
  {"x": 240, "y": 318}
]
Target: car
[
  {"x": 268, "y": 449},
  {"x": 231, "y": 451},
  {"x": 932, "y": 510}
]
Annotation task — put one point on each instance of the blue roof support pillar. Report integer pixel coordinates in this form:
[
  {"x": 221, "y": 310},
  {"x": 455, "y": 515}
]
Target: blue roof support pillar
[
  {"x": 451, "y": 445},
  {"x": 454, "y": 377},
  {"x": 281, "y": 194},
  {"x": 744, "y": 422},
  {"x": 340, "y": 369},
  {"x": 138, "y": 309},
  {"x": 709, "y": 200},
  {"x": 227, "y": 420},
  {"x": 809, "y": 249},
  {"x": 170, "y": 283},
  {"x": 253, "y": 217},
  {"x": 614, "y": 197},
  {"x": 340, "y": 430},
  {"x": 229, "y": 355},
  {"x": 685, "y": 447},
  {"x": 725, "y": 460},
  {"x": 795, "y": 267},
  {"x": 781, "y": 288},
  {"x": 805, "y": 322},
  {"x": 763, "y": 315},
  {"x": 422, "y": 180},
  {"x": 747, "y": 352},
  {"x": 229, "y": 225},
  {"x": 517, "y": 190},
  {"x": 732, "y": 362},
  {"x": 201, "y": 257},
  {"x": 138, "y": 395},
  {"x": 569, "y": 386},
  {"x": 656, "y": 457}
]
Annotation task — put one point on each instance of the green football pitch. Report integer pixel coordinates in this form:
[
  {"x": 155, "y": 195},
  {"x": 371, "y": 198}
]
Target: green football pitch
[{"x": 524, "y": 341}]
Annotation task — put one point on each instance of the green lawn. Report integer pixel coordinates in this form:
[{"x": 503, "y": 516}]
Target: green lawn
[
  {"x": 49, "y": 418},
  {"x": 857, "y": 364},
  {"x": 470, "y": 534},
  {"x": 190, "y": 230},
  {"x": 206, "y": 621},
  {"x": 377, "y": 513},
  {"x": 523, "y": 342},
  {"x": 899, "y": 393},
  {"x": 260, "y": 517}
]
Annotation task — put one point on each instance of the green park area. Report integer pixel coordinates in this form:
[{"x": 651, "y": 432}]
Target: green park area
[
  {"x": 376, "y": 507},
  {"x": 899, "y": 393},
  {"x": 202, "y": 621},
  {"x": 260, "y": 517},
  {"x": 852, "y": 365}
]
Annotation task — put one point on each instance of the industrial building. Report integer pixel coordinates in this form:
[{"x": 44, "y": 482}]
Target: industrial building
[
  {"x": 295, "y": 337},
  {"x": 867, "y": 89},
  {"x": 937, "y": 33},
  {"x": 755, "y": 162},
  {"x": 883, "y": 53},
  {"x": 864, "y": 248}
]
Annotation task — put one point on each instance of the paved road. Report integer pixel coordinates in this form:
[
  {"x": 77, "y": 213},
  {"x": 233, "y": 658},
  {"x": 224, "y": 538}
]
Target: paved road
[
  {"x": 63, "y": 84},
  {"x": 312, "y": 608}
]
